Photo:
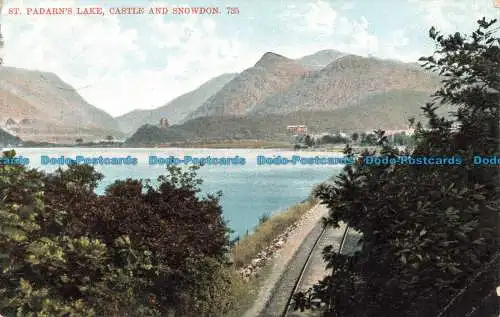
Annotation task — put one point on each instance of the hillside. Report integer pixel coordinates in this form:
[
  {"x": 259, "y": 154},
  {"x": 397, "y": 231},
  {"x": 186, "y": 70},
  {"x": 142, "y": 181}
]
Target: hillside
[
  {"x": 177, "y": 109},
  {"x": 272, "y": 74},
  {"x": 45, "y": 108},
  {"x": 321, "y": 82},
  {"x": 346, "y": 81},
  {"x": 386, "y": 110}
]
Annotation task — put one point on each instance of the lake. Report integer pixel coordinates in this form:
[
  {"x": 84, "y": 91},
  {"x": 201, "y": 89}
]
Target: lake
[{"x": 249, "y": 190}]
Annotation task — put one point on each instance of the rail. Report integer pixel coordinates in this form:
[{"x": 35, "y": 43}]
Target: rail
[{"x": 306, "y": 264}]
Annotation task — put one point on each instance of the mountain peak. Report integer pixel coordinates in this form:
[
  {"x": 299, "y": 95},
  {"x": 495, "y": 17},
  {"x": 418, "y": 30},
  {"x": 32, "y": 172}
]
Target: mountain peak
[{"x": 271, "y": 58}]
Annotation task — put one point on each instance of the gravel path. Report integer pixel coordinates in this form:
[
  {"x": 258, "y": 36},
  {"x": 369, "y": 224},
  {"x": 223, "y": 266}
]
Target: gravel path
[{"x": 297, "y": 244}]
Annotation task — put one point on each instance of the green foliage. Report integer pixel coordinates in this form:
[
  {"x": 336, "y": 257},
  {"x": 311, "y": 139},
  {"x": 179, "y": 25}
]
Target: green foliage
[
  {"x": 333, "y": 139},
  {"x": 428, "y": 232},
  {"x": 355, "y": 136},
  {"x": 138, "y": 250},
  {"x": 368, "y": 139}
]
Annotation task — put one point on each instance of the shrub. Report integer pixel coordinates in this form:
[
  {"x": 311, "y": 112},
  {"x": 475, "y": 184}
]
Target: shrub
[{"x": 138, "y": 250}]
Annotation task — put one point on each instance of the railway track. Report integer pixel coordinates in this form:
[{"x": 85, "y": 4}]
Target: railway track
[{"x": 306, "y": 269}]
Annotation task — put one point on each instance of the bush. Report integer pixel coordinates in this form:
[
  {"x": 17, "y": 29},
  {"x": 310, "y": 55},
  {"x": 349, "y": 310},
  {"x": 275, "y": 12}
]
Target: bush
[
  {"x": 333, "y": 139},
  {"x": 138, "y": 250}
]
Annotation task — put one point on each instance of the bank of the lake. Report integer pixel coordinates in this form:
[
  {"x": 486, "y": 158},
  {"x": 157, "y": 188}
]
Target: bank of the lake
[{"x": 214, "y": 144}]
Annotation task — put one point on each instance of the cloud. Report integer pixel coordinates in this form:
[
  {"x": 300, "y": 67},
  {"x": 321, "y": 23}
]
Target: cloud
[
  {"x": 132, "y": 62},
  {"x": 398, "y": 47},
  {"x": 98, "y": 44},
  {"x": 321, "y": 18},
  {"x": 320, "y": 21},
  {"x": 103, "y": 53},
  {"x": 452, "y": 16},
  {"x": 315, "y": 17}
]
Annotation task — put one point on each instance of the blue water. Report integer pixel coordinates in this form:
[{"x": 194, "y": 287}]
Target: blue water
[{"x": 248, "y": 191}]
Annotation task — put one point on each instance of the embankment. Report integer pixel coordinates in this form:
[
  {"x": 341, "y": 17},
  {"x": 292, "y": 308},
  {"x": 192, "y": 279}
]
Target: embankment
[{"x": 261, "y": 257}]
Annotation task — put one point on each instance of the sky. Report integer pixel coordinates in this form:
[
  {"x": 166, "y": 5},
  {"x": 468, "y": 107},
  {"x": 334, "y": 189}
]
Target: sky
[{"x": 124, "y": 62}]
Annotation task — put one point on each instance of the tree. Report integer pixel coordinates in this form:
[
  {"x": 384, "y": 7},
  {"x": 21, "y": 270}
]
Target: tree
[
  {"x": 308, "y": 141},
  {"x": 355, "y": 136},
  {"x": 163, "y": 220},
  {"x": 137, "y": 250},
  {"x": 109, "y": 138},
  {"x": 429, "y": 232},
  {"x": 362, "y": 136},
  {"x": 79, "y": 140},
  {"x": 333, "y": 139},
  {"x": 368, "y": 139}
]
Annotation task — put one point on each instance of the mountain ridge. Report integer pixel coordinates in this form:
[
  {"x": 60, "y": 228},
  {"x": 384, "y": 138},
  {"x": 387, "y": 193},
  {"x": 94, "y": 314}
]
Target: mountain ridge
[
  {"x": 59, "y": 111},
  {"x": 45, "y": 108},
  {"x": 271, "y": 74},
  {"x": 386, "y": 110},
  {"x": 344, "y": 81},
  {"x": 175, "y": 110}
]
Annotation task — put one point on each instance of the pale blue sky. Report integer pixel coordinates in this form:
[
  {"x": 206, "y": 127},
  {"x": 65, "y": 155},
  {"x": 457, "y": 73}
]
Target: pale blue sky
[{"x": 144, "y": 61}]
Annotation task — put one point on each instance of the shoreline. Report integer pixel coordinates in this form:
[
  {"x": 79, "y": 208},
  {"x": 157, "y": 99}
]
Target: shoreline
[
  {"x": 243, "y": 144},
  {"x": 325, "y": 150}
]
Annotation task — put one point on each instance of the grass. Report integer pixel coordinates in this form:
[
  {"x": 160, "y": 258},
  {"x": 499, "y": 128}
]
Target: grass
[{"x": 249, "y": 246}]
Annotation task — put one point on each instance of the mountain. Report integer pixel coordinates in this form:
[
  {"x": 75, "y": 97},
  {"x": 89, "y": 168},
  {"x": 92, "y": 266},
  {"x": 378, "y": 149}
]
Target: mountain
[
  {"x": 320, "y": 59},
  {"x": 45, "y": 108},
  {"x": 7, "y": 138},
  {"x": 351, "y": 93},
  {"x": 346, "y": 81},
  {"x": 177, "y": 109},
  {"x": 384, "y": 110},
  {"x": 272, "y": 74}
]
